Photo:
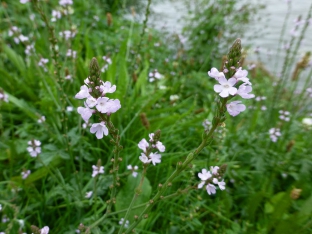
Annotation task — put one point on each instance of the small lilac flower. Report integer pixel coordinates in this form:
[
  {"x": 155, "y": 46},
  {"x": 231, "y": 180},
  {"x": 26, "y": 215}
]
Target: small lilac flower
[
  {"x": 25, "y": 174},
  {"x": 45, "y": 230},
  {"x": 97, "y": 170},
  {"x": 284, "y": 115},
  {"x": 144, "y": 159},
  {"x": 102, "y": 104},
  {"x": 89, "y": 194},
  {"x": 155, "y": 158},
  {"x": 143, "y": 145},
  {"x": 160, "y": 146},
  {"x": 56, "y": 15},
  {"x": 85, "y": 113},
  {"x": 221, "y": 184},
  {"x": 91, "y": 102},
  {"x": 206, "y": 123},
  {"x": 154, "y": 75},
  {"x": 234, "y": 108},
  {"x": 244, "y": 91},
  {"x": 225, "y": 88},
  {"x": 151, "y": 137},
  {"x": 107, "y": 88},
  {"x": 24, "y": 1},
  {"x": 67, "y": 34},
  {"x": 112, "y": 106},
  {"x": 29, "y": 48},
  {"x": 214, "y": 170},
  {"x": 100, "y": 129},
  {"x": 83, "y": 93},
  {"x": 66, "y": 2},
  {"x": 204, "y": 175},
  {"x": 71, "y": 53},
  {"x": 133, "y": 169},
  {"x": 214, "y": 73},
  {"x": 211, "y": 189},
  {"x": 274, "y": 134},
  {"x": 69, "y": 108}
]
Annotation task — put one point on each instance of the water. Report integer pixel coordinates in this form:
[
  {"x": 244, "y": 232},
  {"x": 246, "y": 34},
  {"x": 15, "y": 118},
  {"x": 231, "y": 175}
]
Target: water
[{"x": 169, "y": 13}]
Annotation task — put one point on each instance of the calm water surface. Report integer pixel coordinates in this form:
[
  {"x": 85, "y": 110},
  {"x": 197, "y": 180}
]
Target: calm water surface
[{"x": 169, "y": 13}]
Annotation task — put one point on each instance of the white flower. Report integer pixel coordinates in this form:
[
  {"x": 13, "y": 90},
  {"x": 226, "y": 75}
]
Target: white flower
[
  {"x": 71, "y": 53},
  {"x": 204, "y": 175},
  {"x": 234, "y": 108},
  {"x": 221, "y": 184},
  {"x": 211, "y": 189},
  {"x": 4, "y": 97},
  {"x": 174, "y": 98},
  {"x": 143, "y": 145},
  {"x": 23, "y": 38},
  {"x": 155, "y": 158},
  {"x": 97, "y": 170},
  {"x": 45, "y": 230},
  {"x": 41, "y": 119},
  {"x": 214, "y": 73},
  {"x": 24, "y": 1},
  {"x": 89, "y": 194},
  {"x": 126, "y": 223},
  {"x": 55, "y": 15},
  {"x": 102, "y": 104},
  {"x": 214, "y": 170},
  {"x": 144, "y": 159},
  {"x": 133, "y": 169},
  {"x": 69, "y": 108},
  {"x": 83, "y": 93},
  {"x": 274, "y": 134},
  {"x": 85, "y": 113},
  {"x": 160, "y": 146},
  {"x": 66, "y": 2},
  {"x": 307, "y": 121},
  {"x": 25, "y": 174},
  {"x": 107, "y": 88},
  {"x": 244, "y": 91},
  {"x": 100, "y": 129},
  {"x": 225, "y": 88}
]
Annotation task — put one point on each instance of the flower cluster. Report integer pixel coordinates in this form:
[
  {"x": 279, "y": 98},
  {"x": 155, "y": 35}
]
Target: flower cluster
[
  {"x": 154, "y": 144},
  {"x": 34, "y": 148},
  {"x": 56, "y": 15},
  {"x": 67, "y": 34},
  {"x": 210, "y": 179},
  {"x": 284, "y": 115},
  {"x": 95, "y": 98},
  {"x": 66, "y": 2},
  {"x": 225, "y": 88},
  {"x": 71, "y": 53},
  {"x": 274, "y": 134},
  {"x": 126, "y": 223},
  {"x": 154, "y": 75},
  {"x": 42, "y": 62},
  {"x": 88, "y": 194}
]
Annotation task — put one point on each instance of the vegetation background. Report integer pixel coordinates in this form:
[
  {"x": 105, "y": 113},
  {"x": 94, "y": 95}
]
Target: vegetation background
[{"x": 268, "y": 184}]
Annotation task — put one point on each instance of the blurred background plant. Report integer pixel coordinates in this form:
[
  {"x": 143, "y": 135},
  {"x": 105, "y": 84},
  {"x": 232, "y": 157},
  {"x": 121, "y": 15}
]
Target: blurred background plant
[{"x": 267, "y": 148}]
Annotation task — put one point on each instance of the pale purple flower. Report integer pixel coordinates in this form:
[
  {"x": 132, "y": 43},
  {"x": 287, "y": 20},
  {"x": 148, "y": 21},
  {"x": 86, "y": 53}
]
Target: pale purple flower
[
  {"x": 107, "y": 59},
  {"x": 174, "y": 98},
  {"x": 71, "y": 53},
  {"x": 45, "y": 230},
  {"x": 66, "y": 2},
  {"x": 97, "y": 170},
  {"x": 89, "y": 194},
  {"x": 214, "y": 170},
  {"x": 234, "y": 108},
  {"x": 160, "y": 146},
  {"x": 100, "y": 129},
  {"x": 241, "y": 75},
  {"x": 144, "y": 159},
  {"x": 214, "y": 73},
  {"x": 221, "y": 184},
  {"x": 133, "y": 169},
  {"x": 151, "y": 137},
  {"x": 211, "y": 189},
  {"x": 23, "y": 38},
  {"x": 67, "y": 34},
  {"x": 155, "y": 158},
  {"x": 284, "y": 115},
  {"x": 244, "y": 91},
  {"x": 274, "y": 134},
  {"x": 85, "y": 113},
  {"x": 29, "y": 48},
  {"x": 206, "y": 123},
  {"x": 42, "y": 62},
  {"x": 24, "y": 1},
  {"x": 143, "y": 145},
  {"x": 4, "y": 97},
  {"x": 154, "y": 75},
  {"x": 107, "y": 88},
  {"x": 204, "y": 175},
  {"x": 34, "y": 148},
  {"x": 91, "y": 102},
  {"x": 25, "y": 174},
  {"x": 102, "y": 104},
  {"x": 69, "y": 108},
  {"x": 225, "y": 88},
  {"x": 112, "y": 106},
  {"x": 83, "y": 93}
]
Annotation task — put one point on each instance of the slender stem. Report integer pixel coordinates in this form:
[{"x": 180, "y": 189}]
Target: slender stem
[{"x": 135, "y": 196}]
